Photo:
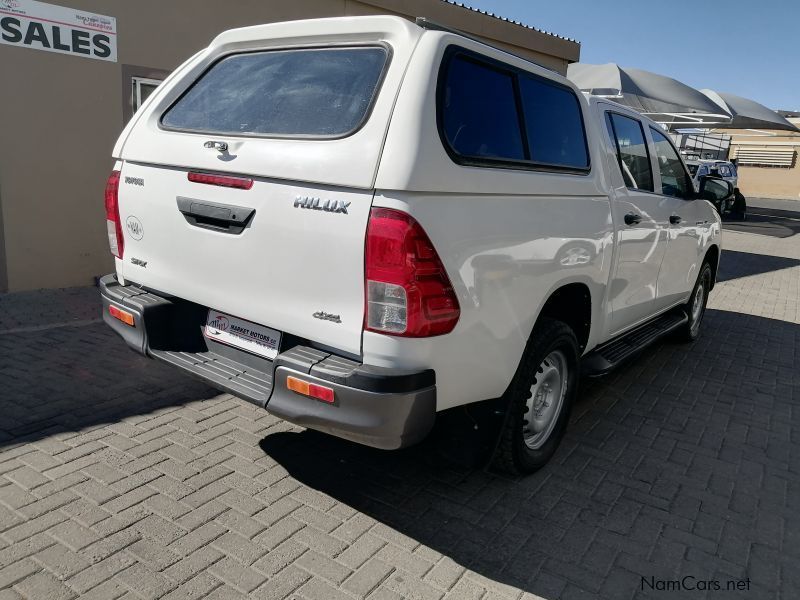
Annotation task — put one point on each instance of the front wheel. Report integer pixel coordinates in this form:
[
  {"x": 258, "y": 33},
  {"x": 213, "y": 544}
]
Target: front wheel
[
  {"x": 539, "y": 399},
  {"x": 696, "y": 307},
  {"x": 739, "y": 208}
]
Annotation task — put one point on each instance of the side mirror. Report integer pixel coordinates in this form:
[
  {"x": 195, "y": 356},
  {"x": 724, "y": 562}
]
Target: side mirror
[{"x": 714, "y": 189}]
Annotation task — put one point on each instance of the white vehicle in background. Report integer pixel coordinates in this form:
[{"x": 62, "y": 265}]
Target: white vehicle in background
[
  {"x": 716, "y": 168},
  {"x": 700, "y": 168},
  {"x": 358, "y": 223}
]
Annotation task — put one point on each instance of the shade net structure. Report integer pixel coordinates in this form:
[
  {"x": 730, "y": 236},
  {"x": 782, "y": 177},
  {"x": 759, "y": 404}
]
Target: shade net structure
[
  {"x": 661, "y": 98},
  {"x": 748, "y": 114}
]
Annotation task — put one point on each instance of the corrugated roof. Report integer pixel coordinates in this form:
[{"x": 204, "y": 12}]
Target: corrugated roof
[{"x": 498, "y": 17}]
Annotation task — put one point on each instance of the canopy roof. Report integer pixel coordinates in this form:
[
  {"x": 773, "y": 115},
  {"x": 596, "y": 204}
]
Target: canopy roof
[{"x": 748, "y": 114}]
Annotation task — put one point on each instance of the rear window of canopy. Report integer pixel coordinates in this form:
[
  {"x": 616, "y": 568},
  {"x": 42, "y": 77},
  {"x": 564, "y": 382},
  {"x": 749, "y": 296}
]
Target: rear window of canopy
[{"x": 310, "y": 92}]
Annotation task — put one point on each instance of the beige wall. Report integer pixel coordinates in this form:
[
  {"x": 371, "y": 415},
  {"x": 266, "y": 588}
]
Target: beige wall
[
  {"x": 61, "y": 115},
  {"x": 768, "y": 182}
]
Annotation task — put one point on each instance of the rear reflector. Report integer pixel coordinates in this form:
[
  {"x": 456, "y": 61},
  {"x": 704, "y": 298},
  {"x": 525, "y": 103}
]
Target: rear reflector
[
  {"x": 311, "y": 390},
  {"x": 121, "y": 315},
  {"x": 242, "y": 183}
]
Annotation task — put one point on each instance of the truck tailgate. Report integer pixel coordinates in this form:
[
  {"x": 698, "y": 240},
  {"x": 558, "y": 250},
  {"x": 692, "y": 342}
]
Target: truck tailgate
[{"x": 291, "y": 259}]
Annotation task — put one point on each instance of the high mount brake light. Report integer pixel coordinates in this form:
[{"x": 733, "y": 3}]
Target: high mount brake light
[
  {"x": 242, "y": 183},
  {"x": 408, "y": 292}
]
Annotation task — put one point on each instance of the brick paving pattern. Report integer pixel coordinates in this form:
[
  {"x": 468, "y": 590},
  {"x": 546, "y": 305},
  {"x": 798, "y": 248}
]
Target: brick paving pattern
[{"x": 120, "y": 478}]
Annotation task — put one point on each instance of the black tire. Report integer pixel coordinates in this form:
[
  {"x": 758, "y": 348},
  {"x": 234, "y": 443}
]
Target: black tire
[
  {"x": 691, "y": 330},
  {"x": 551, "y": 340},
  {"x": 739, "y": 209}
]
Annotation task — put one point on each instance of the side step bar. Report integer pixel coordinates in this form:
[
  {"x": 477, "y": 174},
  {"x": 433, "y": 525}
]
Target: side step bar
[{"x": 612, "y": 354}]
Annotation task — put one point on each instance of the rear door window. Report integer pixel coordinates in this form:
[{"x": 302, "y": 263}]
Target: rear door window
[
  {"x": 632, "y": 154},
  {"x": 312, "y": 92}
]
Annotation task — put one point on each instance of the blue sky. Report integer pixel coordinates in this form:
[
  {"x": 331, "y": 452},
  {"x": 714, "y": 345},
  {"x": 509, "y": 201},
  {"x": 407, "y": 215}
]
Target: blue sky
[{"x": 742, "y": 47}]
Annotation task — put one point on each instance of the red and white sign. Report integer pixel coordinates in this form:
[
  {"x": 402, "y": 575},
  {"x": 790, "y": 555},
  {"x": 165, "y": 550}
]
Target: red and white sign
[{"x": 41, "y": 26}]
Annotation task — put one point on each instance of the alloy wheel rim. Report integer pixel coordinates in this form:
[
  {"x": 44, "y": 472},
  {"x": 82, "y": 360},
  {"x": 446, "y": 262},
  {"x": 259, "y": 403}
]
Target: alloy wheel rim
[{"x": 545, "y": 400}]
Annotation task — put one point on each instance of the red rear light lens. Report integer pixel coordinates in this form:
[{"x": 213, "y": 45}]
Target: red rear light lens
[
  {"x": 113, "y": 223},
  {"x": 408, "y": 291},
  {"x": 320, "y": 392},
  {"x": 241, "y": 183}
]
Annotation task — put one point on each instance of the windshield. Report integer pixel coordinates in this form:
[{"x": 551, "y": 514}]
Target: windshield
[{"x": 321, "y": 92}]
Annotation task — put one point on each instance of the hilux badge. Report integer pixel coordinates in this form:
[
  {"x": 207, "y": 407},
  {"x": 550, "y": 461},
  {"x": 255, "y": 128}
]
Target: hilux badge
[{"x": 335, "y": 206}]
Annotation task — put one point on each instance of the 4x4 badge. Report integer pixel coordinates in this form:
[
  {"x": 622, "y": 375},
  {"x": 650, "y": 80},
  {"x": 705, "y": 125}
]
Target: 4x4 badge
[
  {"x": 335, "y": 206},
  {"x": 325, "y": 316}
]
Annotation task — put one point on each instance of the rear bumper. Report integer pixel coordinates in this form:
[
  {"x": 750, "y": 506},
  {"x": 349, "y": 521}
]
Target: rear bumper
[{"x": 379, "y": 407}]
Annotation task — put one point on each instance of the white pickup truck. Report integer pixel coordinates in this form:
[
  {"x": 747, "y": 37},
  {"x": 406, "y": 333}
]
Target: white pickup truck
[{"x": 356, "y": 223}]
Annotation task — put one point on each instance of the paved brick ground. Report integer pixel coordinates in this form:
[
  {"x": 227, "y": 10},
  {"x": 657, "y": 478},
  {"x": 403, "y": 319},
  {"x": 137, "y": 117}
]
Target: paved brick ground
[{"x": 120, "y": 478}]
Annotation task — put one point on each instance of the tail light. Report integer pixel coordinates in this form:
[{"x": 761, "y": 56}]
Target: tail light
[
  {"x": 113, "y": 223},
  {"x": 408, "y": 292}
]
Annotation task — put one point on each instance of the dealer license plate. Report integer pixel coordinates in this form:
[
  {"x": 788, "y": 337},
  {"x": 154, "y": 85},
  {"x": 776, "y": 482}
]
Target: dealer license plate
[{"x": 242, "y": 334}]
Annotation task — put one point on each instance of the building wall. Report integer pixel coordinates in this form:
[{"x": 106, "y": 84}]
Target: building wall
[
  {"x": 761, "y": 182},
  {"x": 61, "y": 115},
  {"x": 768, "y": 182}
]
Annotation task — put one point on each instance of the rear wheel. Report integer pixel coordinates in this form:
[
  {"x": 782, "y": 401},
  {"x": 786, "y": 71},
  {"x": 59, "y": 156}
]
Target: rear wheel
[
  {"x": 539, "y": 399},
  {"x": 696, "y": 307}
]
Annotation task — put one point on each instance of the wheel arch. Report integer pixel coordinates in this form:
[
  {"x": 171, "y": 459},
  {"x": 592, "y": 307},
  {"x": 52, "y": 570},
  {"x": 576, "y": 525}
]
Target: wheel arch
[{"x": 571, "y": 303}]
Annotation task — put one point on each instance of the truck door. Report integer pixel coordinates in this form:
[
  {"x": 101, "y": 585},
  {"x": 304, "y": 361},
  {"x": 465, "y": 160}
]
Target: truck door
[
  {"x": 640, "y": 222},
  {"x": 686, "y": 227}
]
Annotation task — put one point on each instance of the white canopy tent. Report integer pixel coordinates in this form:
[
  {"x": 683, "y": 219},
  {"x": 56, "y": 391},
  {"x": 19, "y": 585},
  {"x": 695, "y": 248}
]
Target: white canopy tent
[
  {"x": 673, "y": 103},
  {"x": 749, "y": 114}
]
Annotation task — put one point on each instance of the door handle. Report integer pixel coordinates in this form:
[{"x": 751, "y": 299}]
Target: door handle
[
  {"x": 633, "y": 219},
  {"x": 675, "y": 219},
  {"x": 226, "y": 219}
]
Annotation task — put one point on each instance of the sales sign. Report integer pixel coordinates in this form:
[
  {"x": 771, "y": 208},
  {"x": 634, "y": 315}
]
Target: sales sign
[{"x": 41, "y": 26}]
